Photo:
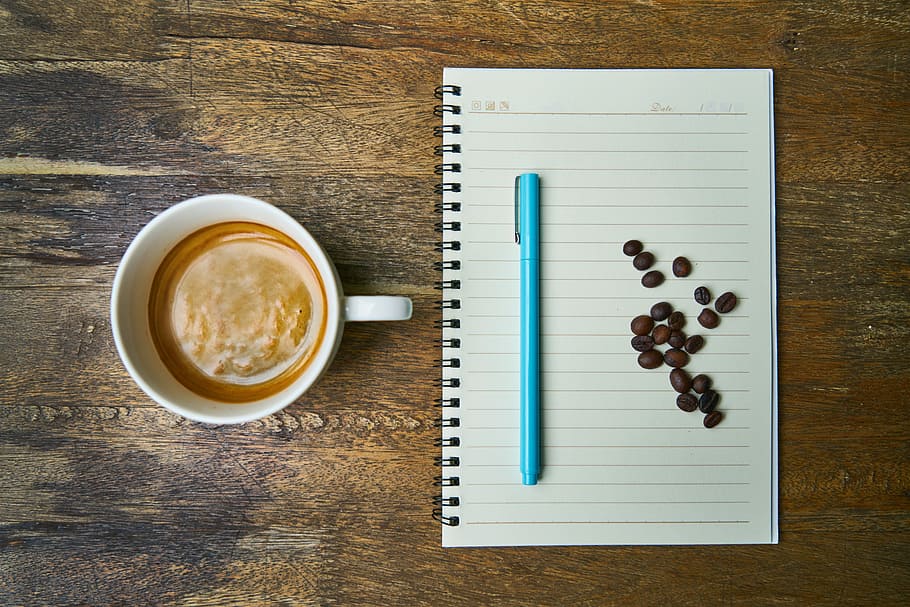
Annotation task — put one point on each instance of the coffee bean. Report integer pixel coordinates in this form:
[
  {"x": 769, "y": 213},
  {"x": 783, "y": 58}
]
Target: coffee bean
[
  {"x": 676, "y": 358},
  {"x": 652, "y": 279},
  {"x": 682, "y": 267},
  {"x": 661, "y": 310},
  {"x": 701, "y": 382},
  {"x": 643, "y": 260},
  {"x": 676, "y": 320},
  {"x": 687, "y": 402},
  {"x": 708, "y": 401},
  {"x": 661, "y": 334},
  {"x": 650, "y": 359},
  {"x": 703, "y": 295},
  {"x": 680, "y": 381},
  {"x": 708, "y": 318},
  {"x": 694, "y": 344},
  {"x": 642, "y": 324},
  {"x": 677, "y": 339},
  {"x": 725, "y": 302},
  {"x": 632, "y": 248},
  {"x": 642, "y": 343},
  {"x": 712, "y": 419}
]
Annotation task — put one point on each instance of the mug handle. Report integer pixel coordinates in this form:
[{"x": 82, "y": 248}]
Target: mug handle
[{"x": 377, "y": 307}]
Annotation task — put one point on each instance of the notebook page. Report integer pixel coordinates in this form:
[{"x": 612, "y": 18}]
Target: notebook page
[{"x": 683, "y": 161}]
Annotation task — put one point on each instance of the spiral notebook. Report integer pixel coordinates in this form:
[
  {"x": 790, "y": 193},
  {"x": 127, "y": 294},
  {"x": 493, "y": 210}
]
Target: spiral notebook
[{"x": 681, "y": 160}]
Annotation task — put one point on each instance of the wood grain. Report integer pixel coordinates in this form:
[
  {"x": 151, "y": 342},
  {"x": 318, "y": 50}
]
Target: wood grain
[{"x": 112, "y": 112}]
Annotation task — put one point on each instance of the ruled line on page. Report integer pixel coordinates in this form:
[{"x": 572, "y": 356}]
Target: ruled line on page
[
  {"x": 598, "y": 372},
  {"x": 600, "y": 354},
  {"x": 588, "y": 279},
  {"x": 613, "y": 243},
  {"x": 556, "y": 427},
  {"x": 620, "y": 170},
  {"x": 555, "y": 132},
  {"x": 623, "y": 262},
  {"x": 651, "y": 298},
  {"x": 648, "y": 205},
  {"x": 608, "y": 187},
  {"x": 551, "y": 334},
  {"x": 548, "y": 261},
  {"x": 598, "y": 224},
  {"x": 632, "y": 484},
  {"x": 497, "y": 410},
  {"x": 662, "y": 391},
  {"x": 514, "y": 446},
  {"x": 566, "y": 502},
  {"x": 687, "y": 465},
  {"x": 604, "y": 151},
  {"x": 511, "y": 113},
  {"x": 597, "y": 522}
]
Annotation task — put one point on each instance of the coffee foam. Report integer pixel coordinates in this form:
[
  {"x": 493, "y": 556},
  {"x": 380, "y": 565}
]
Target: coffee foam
[{"x": 237, "y": 310}]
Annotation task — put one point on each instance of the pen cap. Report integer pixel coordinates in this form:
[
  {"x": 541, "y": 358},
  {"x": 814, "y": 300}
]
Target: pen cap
[{"x": 528, "y": 199}]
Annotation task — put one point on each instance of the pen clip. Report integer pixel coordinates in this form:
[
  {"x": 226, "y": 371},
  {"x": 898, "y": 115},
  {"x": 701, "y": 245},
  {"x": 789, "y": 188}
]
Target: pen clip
[{"x": 518, "y": 209}]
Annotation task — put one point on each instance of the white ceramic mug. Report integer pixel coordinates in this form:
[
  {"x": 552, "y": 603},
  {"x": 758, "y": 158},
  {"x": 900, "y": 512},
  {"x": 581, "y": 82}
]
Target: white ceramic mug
[{"x": 130, "y": 297}]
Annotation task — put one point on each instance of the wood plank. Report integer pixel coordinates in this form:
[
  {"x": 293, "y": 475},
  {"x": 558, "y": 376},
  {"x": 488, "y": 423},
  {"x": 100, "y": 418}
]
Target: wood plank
[{"x": 366, "y": 225}]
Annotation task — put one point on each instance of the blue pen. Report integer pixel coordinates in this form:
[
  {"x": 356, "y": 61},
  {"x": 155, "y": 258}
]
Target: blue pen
[{"x": 527, "y": 235}]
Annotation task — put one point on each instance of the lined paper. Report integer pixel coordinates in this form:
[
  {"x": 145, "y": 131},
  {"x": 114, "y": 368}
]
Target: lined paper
[{"x": 681, "y": 160}]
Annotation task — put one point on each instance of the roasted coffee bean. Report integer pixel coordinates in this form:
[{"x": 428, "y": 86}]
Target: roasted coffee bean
[
  {"x": 676, "y": 320},
  {"x": 701, "y": 382},
  {"x": 677, "y": 339},
  {"x": 642, "y": 343},
  {"x": 632, "y": 247},
  {"x": 661, "y": 310},
  {"x": 725, "y": 302},
  {"x": 680, "y": 381},
  {"x": 661, "y": 334},
  {"x": 694, "y": 344},
  {"x": 652, "y": 279},
  {"x": 676, "y": 358},
  {"x": 650, "y": 359},
  {"x": 708, "y": 401},
  {"x": 687, "y": 402},
  {"x": 712, "y": 419},
  {"x": 703, "y": 295},
  {"x": 642, "y": 324},
  {"x": 643, "y": 260},
  {"x": 708, "y": 318},
  {"x": 682, "y": 267}
]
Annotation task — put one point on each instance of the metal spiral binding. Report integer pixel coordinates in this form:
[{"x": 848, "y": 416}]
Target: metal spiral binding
[
  {"x": 451, "y": 226},
  {"x": 452, "y": 129},
  {"x": 439, "y": 207},
  {"x": 452, "y": 264},
  {"x": 448, "y": 402},
  {"x": 451, "y": 148},
  {"x": 450, "y": 340},
  {"x": 445, "y": 501},
  {"x": 447, "y": 422},
  {"x": 447, "y": 284},
  {"x": 453, "y": 245},
  {"x": 446, "y": 186},
  {"x": 452, "y": 441}
]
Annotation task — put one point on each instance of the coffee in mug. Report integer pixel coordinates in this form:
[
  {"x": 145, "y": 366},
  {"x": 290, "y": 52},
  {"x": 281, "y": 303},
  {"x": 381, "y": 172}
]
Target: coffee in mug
[{"x": 236, "y": 311}]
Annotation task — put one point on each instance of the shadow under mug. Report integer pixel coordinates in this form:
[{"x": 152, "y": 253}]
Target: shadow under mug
[{"x": 130, "y": 303}]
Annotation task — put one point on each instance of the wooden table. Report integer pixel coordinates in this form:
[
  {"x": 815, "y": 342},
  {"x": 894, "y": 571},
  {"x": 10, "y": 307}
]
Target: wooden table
[{"x": 111, "y": 112}]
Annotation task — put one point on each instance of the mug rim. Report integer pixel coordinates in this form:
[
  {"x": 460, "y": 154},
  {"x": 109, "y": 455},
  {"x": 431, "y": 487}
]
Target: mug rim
[{"x": 241, "y": 412}]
